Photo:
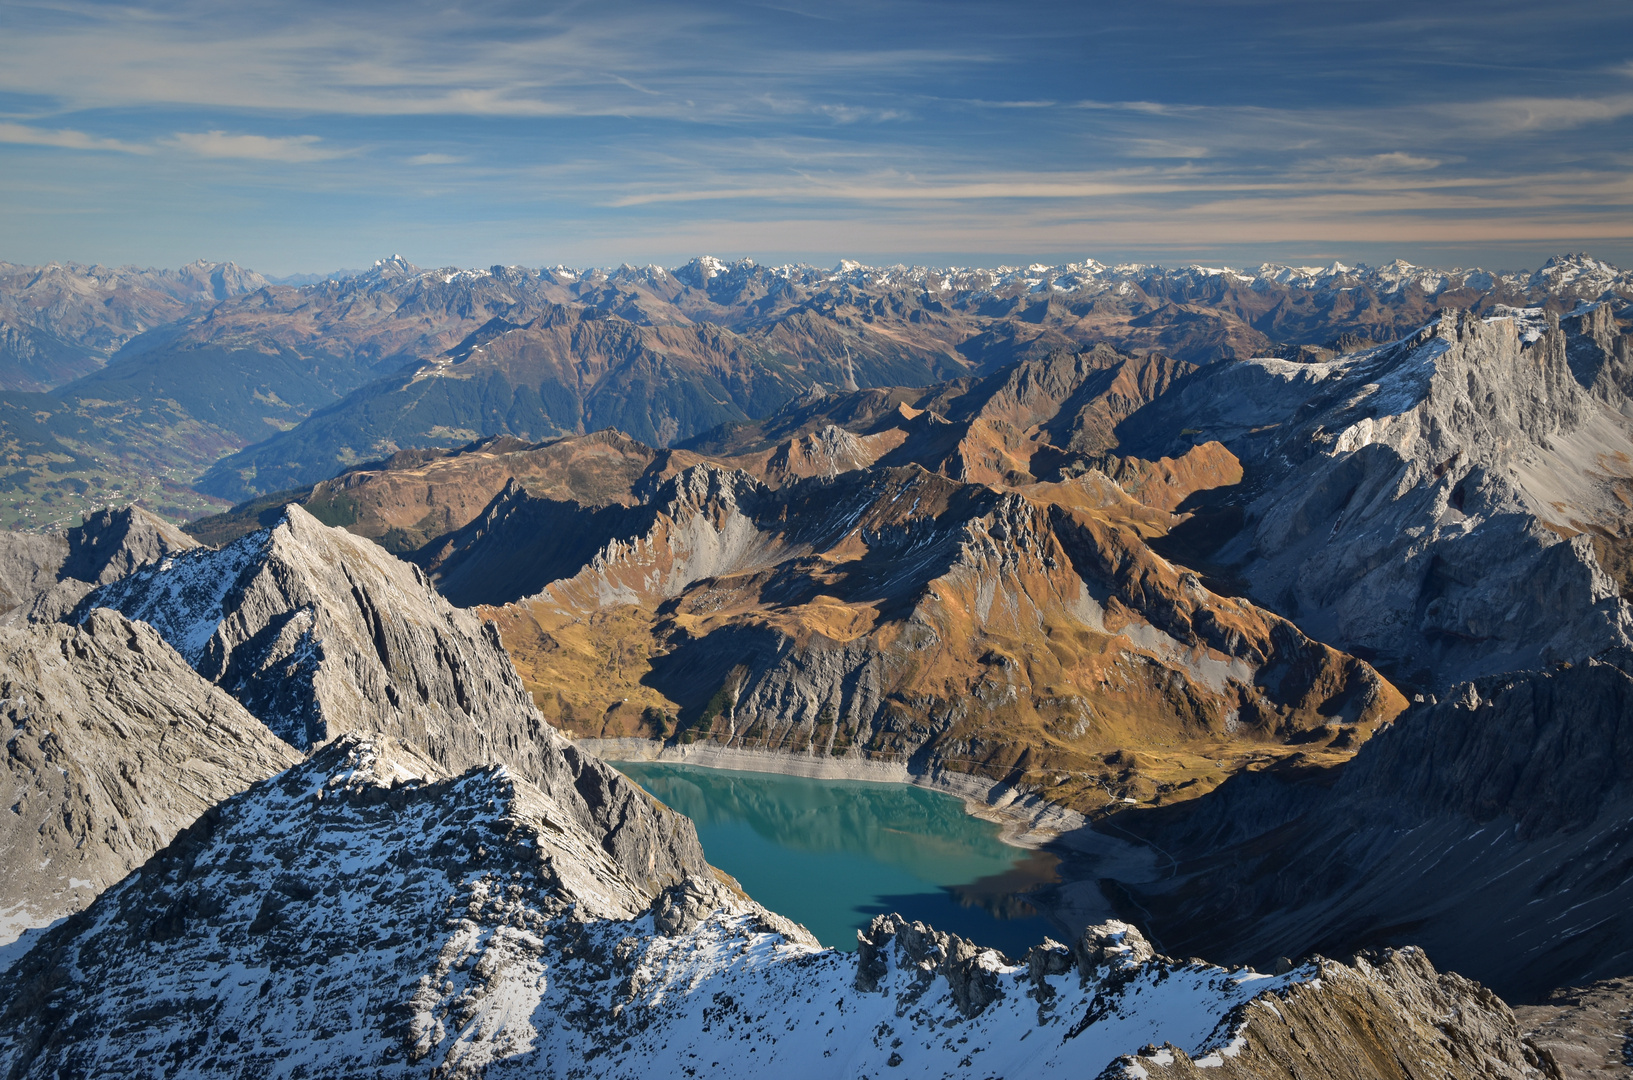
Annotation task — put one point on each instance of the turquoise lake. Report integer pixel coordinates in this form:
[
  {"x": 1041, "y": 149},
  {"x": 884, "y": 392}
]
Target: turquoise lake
[{"x": 831, "y": 854}]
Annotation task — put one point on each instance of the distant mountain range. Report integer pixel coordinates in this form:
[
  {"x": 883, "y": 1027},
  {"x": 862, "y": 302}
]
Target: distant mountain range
[{"x": 188, "y": 389}]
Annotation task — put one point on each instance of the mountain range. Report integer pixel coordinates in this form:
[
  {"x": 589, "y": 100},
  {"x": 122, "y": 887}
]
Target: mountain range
[
  {"x": 209, "y": 385},
  {"x": 1313, "y": 582}
]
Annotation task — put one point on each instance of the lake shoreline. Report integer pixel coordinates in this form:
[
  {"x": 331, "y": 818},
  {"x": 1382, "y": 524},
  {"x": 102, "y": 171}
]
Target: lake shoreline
[{"x": 1025, "y": 820}]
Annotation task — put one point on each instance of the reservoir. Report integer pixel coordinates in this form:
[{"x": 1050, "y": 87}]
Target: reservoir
[{"x": 831, "y": 854}]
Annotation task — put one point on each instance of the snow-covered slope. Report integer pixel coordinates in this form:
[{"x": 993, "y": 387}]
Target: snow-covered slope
[
  {"x": 318, "y": 631},
  {"x": 366, "y": 914}
]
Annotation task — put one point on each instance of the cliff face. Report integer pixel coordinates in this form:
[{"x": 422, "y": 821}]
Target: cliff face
[
  {"x": 292, "y": 931},
  {"x": 115, "y": 746},
  {"x": 318, "y": 632},
  {"x": 1490, "y": 828},
  {"x": 1441, "y": 503},
  {"x": 43, "y": 575}
]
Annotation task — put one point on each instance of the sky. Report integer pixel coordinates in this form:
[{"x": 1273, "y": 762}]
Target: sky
[{"x": 306, "y": 137}]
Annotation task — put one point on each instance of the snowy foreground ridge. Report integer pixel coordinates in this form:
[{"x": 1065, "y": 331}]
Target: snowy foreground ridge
[{"x": 359, "y": 915}]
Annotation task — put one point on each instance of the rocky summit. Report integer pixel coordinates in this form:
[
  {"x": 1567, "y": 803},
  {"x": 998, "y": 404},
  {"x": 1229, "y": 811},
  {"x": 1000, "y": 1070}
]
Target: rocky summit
[{"x": 1311, "y": 582}]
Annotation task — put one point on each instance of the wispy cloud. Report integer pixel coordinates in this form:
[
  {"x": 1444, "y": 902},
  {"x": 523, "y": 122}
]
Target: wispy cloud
[
  {"x": 1514, "y": 115},
  {"x": 291, "y": 149},
  {"x": 1162, "y": 148},
  {"x": 817, "y": 129},
  {"x": 65, "y": 139}
]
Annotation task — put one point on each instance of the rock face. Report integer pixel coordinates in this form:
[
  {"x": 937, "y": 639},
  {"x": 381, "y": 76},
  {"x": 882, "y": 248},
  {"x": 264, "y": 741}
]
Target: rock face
[
  {"x": 43, "y": 576},
  {"x": 114, "y": 542},
  {"x": 29, "y": 563},
  {"x": 1490, "y": 828},
  {"x": 1392, "y": 1018},
  {"x": 115, "y": 746},
  {"x": 293, "y": 931},
  {"x": 318, "y": 632},
  {"x": 1441, "y": 503}
]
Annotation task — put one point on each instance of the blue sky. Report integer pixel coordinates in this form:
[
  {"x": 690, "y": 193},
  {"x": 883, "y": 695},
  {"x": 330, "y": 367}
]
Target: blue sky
[{"x": 305, "y": 137}]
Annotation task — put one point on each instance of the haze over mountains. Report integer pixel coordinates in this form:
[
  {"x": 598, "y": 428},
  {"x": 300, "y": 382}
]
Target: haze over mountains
[{"x": 1312, "y": 580}]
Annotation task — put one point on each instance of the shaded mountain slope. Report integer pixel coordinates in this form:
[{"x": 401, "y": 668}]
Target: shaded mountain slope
[
  {"x": 568, "y": 369},
  {"x": 1491, "y": 828}
]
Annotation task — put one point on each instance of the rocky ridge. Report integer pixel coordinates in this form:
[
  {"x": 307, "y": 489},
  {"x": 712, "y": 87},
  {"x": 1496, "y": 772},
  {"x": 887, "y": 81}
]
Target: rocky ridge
[
  {"x": 114, "y": 746},
  {"x": 1451, "y": 504},
  {"x": 895, "y": 615},
  {"x": 43, "y": 576},
  {"x": 318, "y": 633},
  {"x": 502, "y": 943}
]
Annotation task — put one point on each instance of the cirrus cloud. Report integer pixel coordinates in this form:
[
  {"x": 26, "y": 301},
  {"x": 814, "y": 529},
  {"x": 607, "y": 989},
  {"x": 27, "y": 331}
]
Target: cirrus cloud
[
  {"x": 65, "y": 139},
  {"x": 290, "y": 149}
]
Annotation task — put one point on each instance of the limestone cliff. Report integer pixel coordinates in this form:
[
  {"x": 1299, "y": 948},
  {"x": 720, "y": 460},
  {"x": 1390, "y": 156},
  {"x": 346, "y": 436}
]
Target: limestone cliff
[
  {"x": 115, "y": 745},
  {"x": 43, "y": 575}
]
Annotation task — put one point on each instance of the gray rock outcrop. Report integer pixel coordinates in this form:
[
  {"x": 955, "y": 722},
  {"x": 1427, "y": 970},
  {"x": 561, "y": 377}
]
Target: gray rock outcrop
[
  {"x": 318, "y": 633},
  {"x": 28, "y": 566},
  {"x": 114, "y": 542},
  {"x": 1588, "y": 1030},
  {"x": 44, "y": 575},
  {"x": 115, "y": 745},
  {"x": 1434, "y": 502}
]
